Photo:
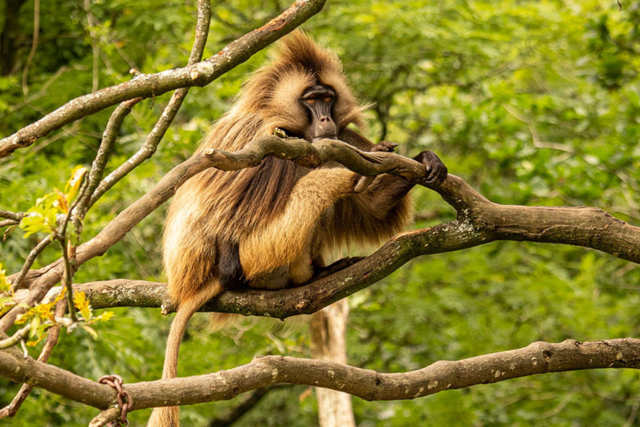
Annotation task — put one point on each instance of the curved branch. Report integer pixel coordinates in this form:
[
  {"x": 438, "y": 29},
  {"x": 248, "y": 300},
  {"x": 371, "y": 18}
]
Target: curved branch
[
  {"x": 300, "y": 151},
  {"x": 537, "y": 358},
  {"x": 151, "y": 85},
  {"x": 479, "y": 221}
]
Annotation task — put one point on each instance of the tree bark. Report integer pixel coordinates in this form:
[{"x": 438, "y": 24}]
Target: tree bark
[{"x": 328, "y": 343}]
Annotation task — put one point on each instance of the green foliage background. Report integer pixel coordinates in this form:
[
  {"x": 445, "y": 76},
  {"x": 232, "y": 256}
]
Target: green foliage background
[{"x": 531, "y": 102}]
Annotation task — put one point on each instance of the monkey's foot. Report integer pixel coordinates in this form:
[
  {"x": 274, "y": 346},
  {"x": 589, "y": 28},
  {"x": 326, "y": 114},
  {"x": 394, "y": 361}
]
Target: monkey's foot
[{"x": 341, "y": 264}]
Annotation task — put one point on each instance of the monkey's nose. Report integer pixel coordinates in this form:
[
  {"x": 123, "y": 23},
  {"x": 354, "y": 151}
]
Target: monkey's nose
[{"x": 324, "y": 128}]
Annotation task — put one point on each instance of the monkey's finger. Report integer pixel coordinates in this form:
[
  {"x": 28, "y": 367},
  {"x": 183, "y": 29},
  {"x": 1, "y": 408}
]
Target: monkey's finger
[{"x": 439, "y": 175}]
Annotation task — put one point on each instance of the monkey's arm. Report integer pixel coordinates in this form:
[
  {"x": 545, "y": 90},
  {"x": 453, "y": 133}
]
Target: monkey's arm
[
  {"x": 287, "y": 239},
  {"x": 384, "y": 208}
]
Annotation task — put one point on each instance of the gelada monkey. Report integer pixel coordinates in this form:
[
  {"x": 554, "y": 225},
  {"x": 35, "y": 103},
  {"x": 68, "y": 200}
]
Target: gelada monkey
[{"x": 270, "y": 226}]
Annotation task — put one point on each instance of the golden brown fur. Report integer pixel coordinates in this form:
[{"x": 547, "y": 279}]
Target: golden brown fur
[{"x": 280, "y": 217}]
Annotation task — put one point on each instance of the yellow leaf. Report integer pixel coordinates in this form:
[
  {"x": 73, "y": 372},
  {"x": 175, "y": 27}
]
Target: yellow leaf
[
  {"x": 6, "y": 304},
  {"x": 61, "y": 295},
  {"x": 107, "y": 315},
  {"x": 35, "y": 322},
  {"x": 26, "y": 316},
  {"x": 4, "y": 283},
  {"x": 45, "y": 312},
  {"x": 41, "y": 336},
  {"x": 61, "y": 202},
  {"x": 73, "y": 185},
  {"x": 82, "y": 304}
]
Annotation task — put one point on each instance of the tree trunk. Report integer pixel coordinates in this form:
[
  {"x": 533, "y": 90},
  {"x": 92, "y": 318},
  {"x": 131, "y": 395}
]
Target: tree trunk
[{"x": 328, "y": 342}]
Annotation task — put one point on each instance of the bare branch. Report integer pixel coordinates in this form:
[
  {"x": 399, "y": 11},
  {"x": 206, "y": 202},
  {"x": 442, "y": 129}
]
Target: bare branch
[
  {"x": 31, "y": 258},
  {"x": 54, "y": 379},
  {"x": 104, "y": 151},
  {"x": 11, "y": 215},
  {"x": 148, "y": 85},
  {"x": 8, "y": 222},
  {"x": 15, "y": 338},
  {"x": 105, "y": 417},
  {"x": 537, "y": 358}
]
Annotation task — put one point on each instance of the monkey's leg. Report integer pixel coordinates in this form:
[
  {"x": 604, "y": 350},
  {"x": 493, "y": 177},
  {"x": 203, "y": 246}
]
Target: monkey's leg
[
  {"x": 229, "y": 267},
  {"x": 287, "y": 239}
]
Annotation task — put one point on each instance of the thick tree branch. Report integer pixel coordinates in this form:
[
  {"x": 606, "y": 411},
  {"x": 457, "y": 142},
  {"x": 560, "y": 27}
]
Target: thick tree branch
[
  {"x": 300, "y": 151},
  {"x": 151, "y": 85},
  {"x": 537, "y": 358},
  {"x": 479, "y": 221}
]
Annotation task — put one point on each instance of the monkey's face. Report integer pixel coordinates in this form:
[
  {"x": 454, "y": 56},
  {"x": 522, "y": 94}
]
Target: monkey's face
[
  {"x": 303, "y": 92},
  {"x": 318, "y": 102}
]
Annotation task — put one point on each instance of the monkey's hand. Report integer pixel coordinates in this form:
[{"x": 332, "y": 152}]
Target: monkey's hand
[
  {"x": 322, "y": 272},
  {"x": 386, "y": 146},
  {"x": 436, "y": 170}
]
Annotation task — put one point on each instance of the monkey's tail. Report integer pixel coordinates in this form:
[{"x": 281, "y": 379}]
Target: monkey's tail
[{"x": 169, "y": 416}]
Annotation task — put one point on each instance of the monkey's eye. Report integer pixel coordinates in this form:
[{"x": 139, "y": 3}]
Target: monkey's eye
[
  {"x": 328, "y": 99},
  {"x": 310, "y": 100}
]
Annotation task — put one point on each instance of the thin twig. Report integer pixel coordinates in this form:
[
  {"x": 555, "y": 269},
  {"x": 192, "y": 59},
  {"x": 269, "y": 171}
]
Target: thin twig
[
  {"x": 249, "y": 401},
  {"x": 67, "y": 280},
  {"x": 16, "y": 284},
  {"x": 102, "y": 158},
  {"x": 15, "y": 338},
  {"x": 69, "y": 252},
  {"x": 8, "y": 222}
]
